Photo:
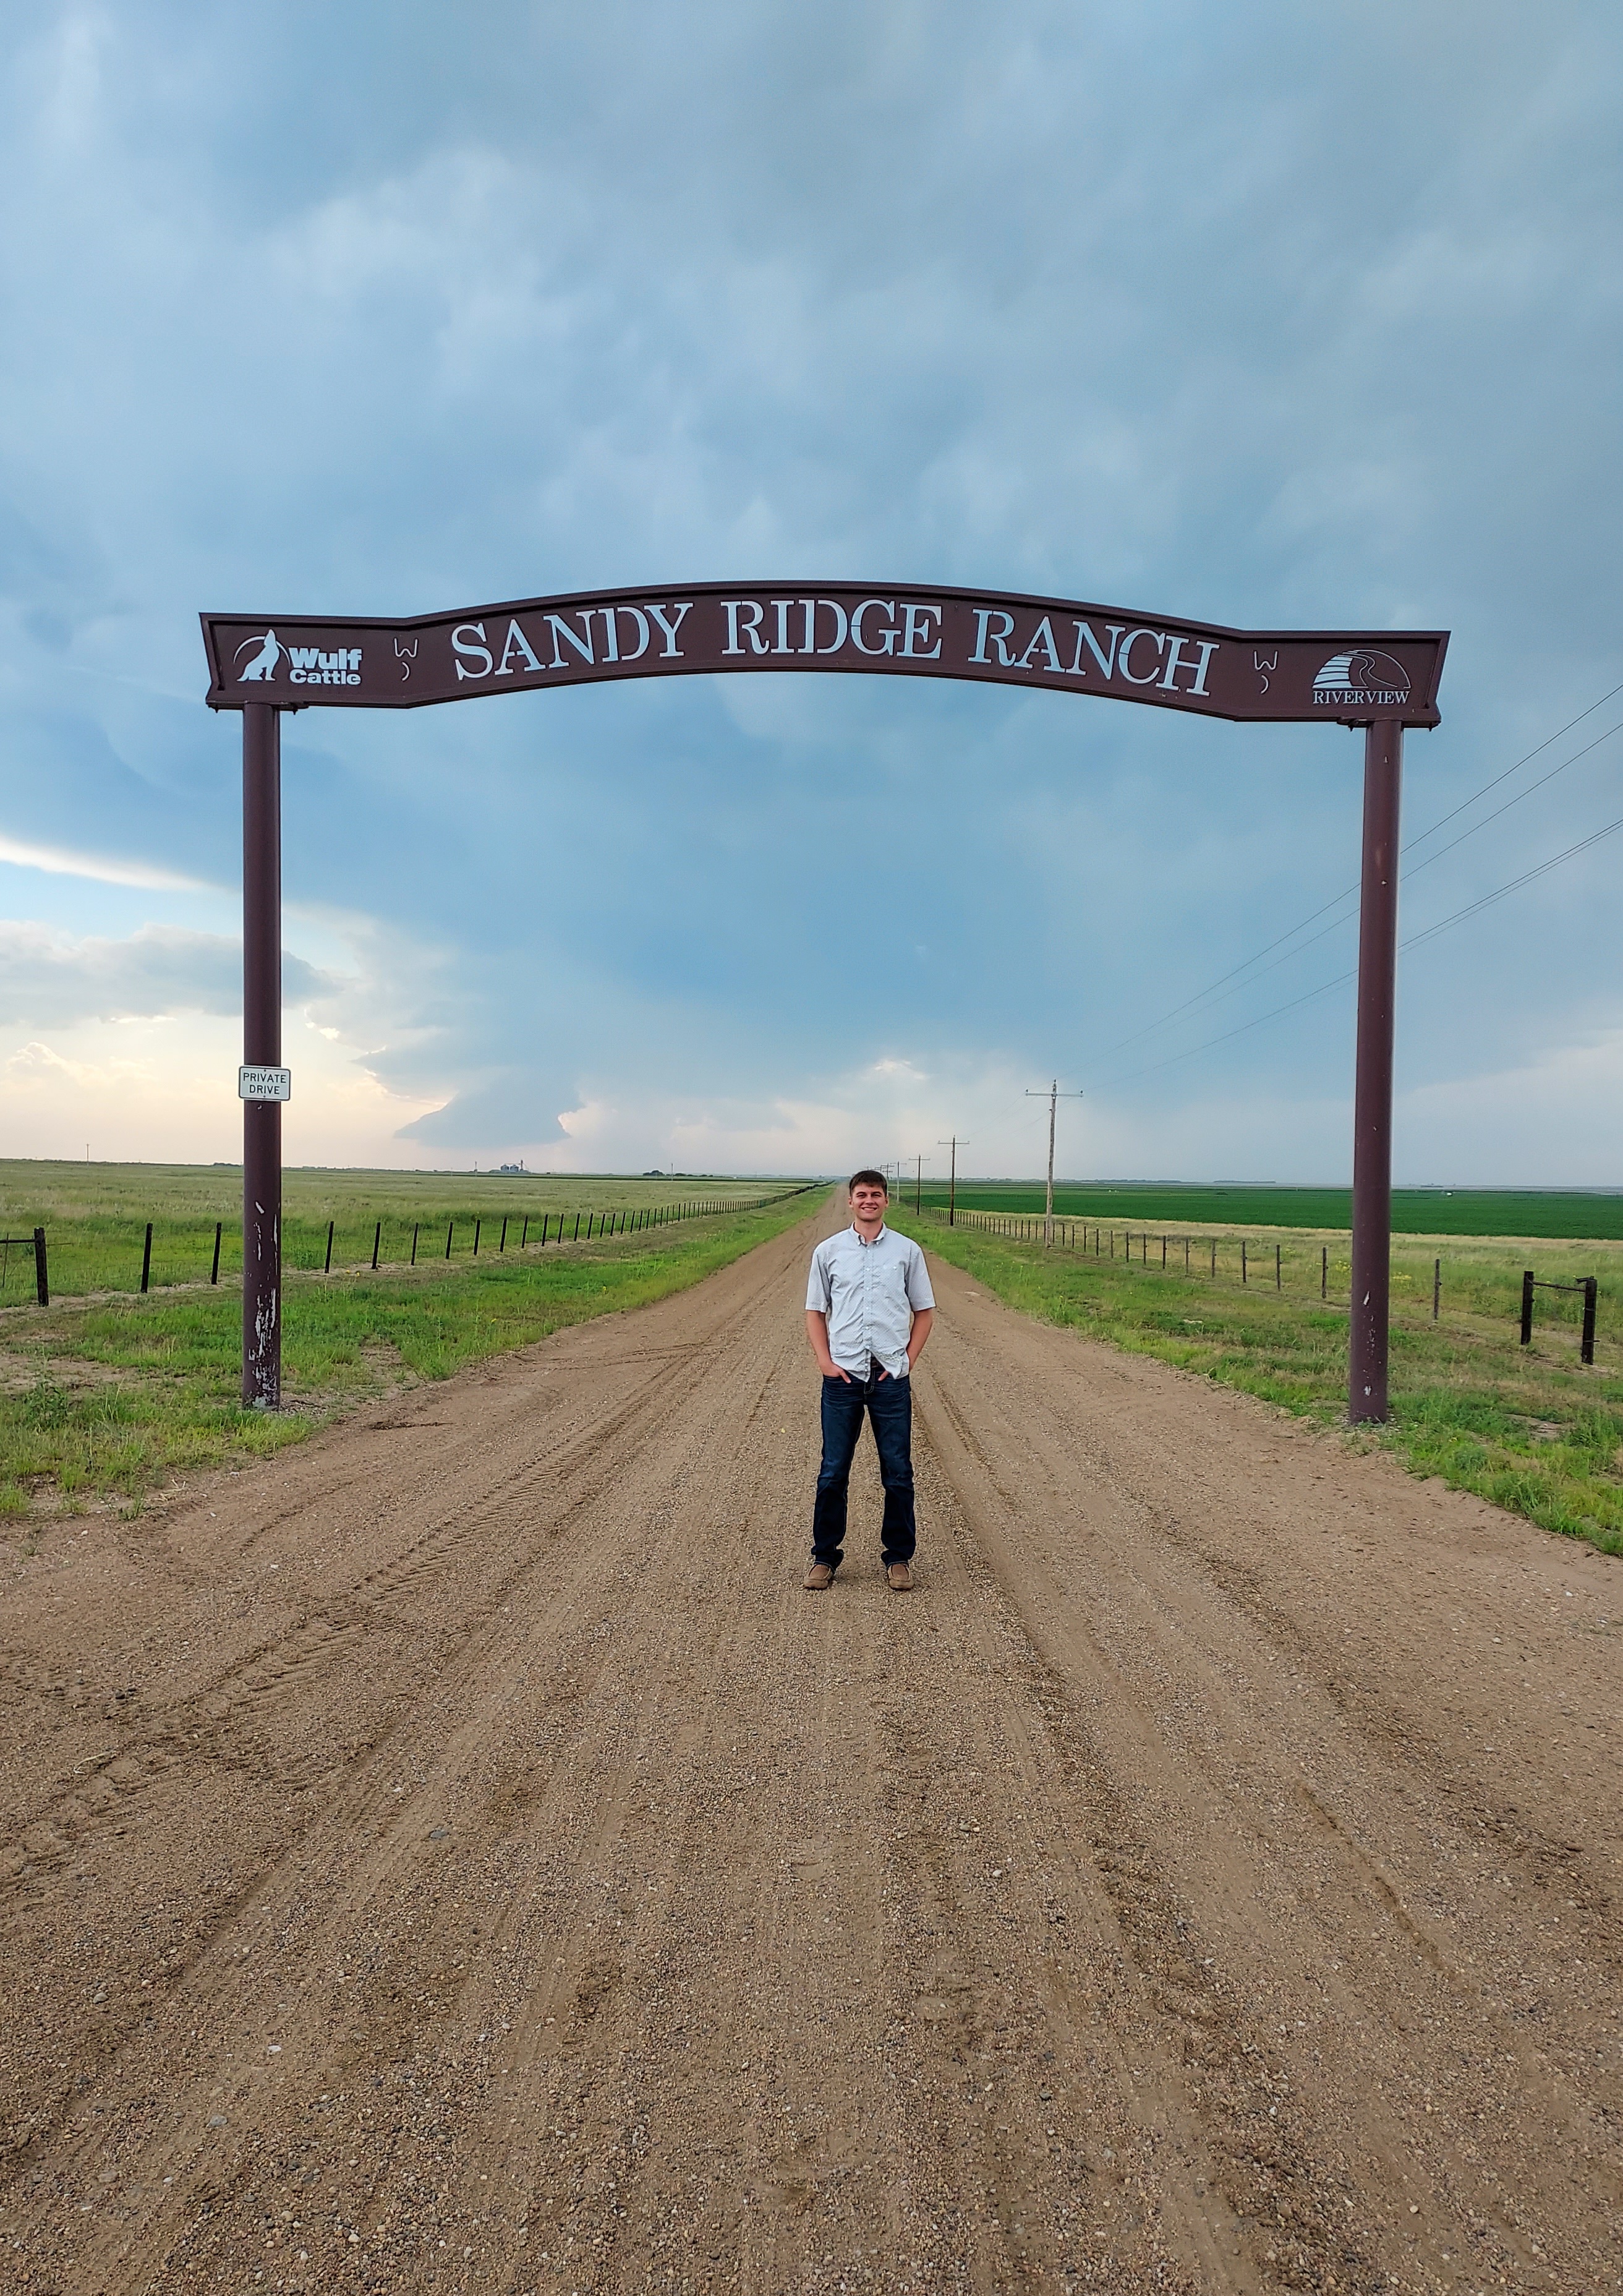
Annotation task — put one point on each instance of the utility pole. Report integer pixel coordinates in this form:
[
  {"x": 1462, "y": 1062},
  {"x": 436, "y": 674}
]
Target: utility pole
[
  {"x": 918, "y": 1184},
  {"x": 1053, "y": 1096},
  {"x": 952, "y": 1186}
]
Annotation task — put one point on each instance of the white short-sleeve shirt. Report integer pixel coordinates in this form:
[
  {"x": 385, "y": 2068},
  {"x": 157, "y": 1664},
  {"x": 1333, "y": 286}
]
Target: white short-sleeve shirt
[{"x": 870, "y": 1293}]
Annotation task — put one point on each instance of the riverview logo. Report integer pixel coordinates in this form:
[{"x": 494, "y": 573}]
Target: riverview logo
[
  {"x": 307, "y": 665},
  {"x": 1362, "y": 679}
]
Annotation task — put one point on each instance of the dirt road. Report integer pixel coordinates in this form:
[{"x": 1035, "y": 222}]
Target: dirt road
[{"x": 459, "y": 1856}]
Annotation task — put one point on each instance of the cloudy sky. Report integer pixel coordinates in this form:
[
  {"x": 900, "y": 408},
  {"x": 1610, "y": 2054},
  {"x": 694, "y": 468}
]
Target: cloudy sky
[{"x": 1288, "y": 316}]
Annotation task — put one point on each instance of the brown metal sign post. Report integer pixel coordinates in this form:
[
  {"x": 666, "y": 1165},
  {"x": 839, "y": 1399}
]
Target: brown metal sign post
[
  {"x": 264, "y": 664},
  {"x": 262, "y": 1048},
  {"x": 1372, "y": 1209}
]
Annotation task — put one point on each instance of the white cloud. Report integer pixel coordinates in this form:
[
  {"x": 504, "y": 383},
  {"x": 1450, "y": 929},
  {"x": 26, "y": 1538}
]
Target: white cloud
[
  {"x": 57, "y": 861},
  {"x": 1553, "y": 1121},
  {"x": 52, "y": 978},
  {"x": 164, "y": 1091}
]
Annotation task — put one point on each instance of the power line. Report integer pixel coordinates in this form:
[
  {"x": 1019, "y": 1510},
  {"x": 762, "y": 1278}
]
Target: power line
[
  {"x": 1509, "y": 802},
  {"x": 1350, "y": 891},
  {"x": 1210, "y": 996},
  {"x": 1466, "y": 802},
  {"x": 1487, "y": 900},
  {"x": 1417, "y": 940}
]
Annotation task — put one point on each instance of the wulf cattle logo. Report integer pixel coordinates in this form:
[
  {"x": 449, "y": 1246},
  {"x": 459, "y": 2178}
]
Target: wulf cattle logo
[
  {"x": 1362, "y": 679},
  {"x": 307, "y": 665}
]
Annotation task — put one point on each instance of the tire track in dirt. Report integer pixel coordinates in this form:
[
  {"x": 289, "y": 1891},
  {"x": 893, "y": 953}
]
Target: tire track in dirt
[{"x": 496, "y": 1873}]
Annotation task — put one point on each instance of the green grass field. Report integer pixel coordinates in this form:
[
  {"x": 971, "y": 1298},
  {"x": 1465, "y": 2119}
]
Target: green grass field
[
  {"x": 1531, "y": 1429},
  {"x": 1552, "y": 1212},
  {"x": 102, "y": 1398},
  {"x": 94, "y": 1216},
  {"x": 1480, "y": 1276}
]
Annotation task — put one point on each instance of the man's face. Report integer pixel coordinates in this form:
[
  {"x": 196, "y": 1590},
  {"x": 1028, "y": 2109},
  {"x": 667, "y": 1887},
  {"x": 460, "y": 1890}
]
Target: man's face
[{"x": 868, "y": 1203}]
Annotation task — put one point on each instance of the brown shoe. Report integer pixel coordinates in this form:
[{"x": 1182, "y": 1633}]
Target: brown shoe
[
  {"x": 820, "y": 1575},
  {"x": 900, "y": 1578}
]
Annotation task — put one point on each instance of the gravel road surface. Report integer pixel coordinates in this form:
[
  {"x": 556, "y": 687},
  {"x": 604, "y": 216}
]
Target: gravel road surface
[{"x": 458, "y": 1855}]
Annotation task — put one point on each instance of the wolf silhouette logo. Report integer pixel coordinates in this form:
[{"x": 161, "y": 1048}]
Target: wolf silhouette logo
[{"x": 264, "y": 663}]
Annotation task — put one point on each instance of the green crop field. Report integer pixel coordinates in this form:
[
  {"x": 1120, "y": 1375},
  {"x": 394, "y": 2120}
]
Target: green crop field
[
  {"x": 1415, "y": 1211},
  {"x": 1532, "y": 1429},
  {"x": 94, "y": 1216},
  {"x": 103, "y": 1398}
]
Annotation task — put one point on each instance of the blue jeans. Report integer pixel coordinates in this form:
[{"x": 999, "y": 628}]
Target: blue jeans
[{"x": 888, "y": 1405}]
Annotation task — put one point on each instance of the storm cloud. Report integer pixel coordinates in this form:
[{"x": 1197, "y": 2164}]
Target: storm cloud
[{"x": 1264, "y": 315}]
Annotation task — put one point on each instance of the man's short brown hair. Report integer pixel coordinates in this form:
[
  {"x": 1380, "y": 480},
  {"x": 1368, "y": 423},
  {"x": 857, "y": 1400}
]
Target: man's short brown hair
[{"x": 868, "y": 1179}]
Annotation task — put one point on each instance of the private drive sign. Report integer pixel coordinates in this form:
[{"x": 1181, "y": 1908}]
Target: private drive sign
[
  {"x": 296, "y": 661},
  {"x": 265, "y": 1084}
]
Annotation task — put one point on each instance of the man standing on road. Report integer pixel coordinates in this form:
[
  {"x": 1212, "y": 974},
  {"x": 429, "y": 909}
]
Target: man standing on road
[{"x": 868, "y": 1312}]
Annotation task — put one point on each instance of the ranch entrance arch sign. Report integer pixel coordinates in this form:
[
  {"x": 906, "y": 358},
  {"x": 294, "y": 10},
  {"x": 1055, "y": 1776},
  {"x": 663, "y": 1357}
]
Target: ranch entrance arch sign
[{"x": 265, "y": 664}]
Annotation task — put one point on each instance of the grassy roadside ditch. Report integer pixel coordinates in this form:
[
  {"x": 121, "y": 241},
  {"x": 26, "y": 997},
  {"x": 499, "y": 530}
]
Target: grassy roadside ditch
[
  {"x": 1529, "y": 1429},
  {"x": 101, "y": 1401}
]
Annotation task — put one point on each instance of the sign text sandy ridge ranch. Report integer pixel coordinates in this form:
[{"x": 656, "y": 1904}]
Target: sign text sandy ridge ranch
[{"x": 296, "y": 661}]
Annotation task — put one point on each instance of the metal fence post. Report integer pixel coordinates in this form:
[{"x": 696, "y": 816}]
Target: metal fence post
[
  {"x": 1591, "y": 1289},
  {"x": 1436, "y": 1288},
  {"x": 147, "y": 1257},
  {"x": 42, "y": 1279},
  {"x": 214, "y": 1272},
  {"x": 1527, "y": 1308},
  {"x": 326, "y": 1265},
  {"x": 377, "y": 1238}
]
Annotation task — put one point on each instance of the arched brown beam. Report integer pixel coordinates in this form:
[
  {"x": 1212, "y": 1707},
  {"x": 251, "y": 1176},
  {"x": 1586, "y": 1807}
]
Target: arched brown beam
[{"x": 1382, "y": 680}]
